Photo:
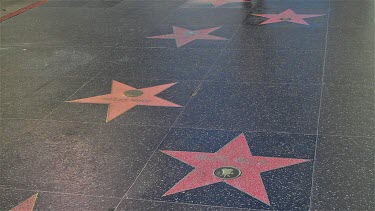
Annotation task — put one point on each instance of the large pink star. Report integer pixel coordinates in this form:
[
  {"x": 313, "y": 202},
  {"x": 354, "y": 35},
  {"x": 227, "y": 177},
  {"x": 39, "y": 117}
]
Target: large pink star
[
  {"x": 124, "y": 97},
  {"x": 184, "y": 36},
  {"x": 288, "y": 16},
  {"x": 234, "y": 159},
  {"x": 218, "y": 3}
]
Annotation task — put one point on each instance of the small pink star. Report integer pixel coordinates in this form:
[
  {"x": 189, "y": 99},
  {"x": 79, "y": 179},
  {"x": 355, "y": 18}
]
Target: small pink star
[
  {"x": 218, "y": 3},
  {"x": 288, "y": 16},
  {"x": 184, "y": 36},
  {"x": 124, "y": 97}
]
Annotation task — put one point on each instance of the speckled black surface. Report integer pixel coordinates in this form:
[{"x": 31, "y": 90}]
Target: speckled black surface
[
  {"x": 50, "y": 61},
  {"x": 278, "y": 37},
  {"x": 54, "y": 201},
  {"x": 256, "y": 107},
  {"x": 13, "y": 129},
  {"x": 140, "y": 205},
  {"x": 295, "y": 91},
  {"x": 207, "y": 16},
  {"x": 348, "y": 110},
  {"x": 352, "y": 14},
  {"x": 35, "y": 97},
  {"x": 92, "y": 159},
  {"x": 344, "y": 175},
  {"x": 353, "y": 67},
  {"x": 182, "y": 64},
  {"x": 269, "y": 66},
  {"x": 351, "y": 38}
]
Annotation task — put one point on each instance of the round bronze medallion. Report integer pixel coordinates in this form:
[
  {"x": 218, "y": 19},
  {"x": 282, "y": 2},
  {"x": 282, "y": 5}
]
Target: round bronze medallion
[
  {"x": 285, "y": 19},
  {"x": 227, "y": 172},
  {"x": 133, "y": 93},
  {"x": 191, "y": 33}
]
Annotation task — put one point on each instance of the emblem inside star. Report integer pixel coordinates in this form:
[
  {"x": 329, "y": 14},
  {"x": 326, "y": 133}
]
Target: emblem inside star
[
  {"x": 287, "y": 16},
  {"x": 124, "y": 97},
  {"x": 218, "y": 3},
  {"x": 233, "y": 164},
  {"x": 184, "y": 36}
]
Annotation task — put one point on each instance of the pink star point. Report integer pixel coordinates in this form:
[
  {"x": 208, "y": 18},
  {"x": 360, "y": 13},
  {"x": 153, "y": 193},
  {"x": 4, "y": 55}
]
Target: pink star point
[
  {"x": 235, "y": 154},
  {"x": 184, "y": 36},
  {"x": 120, "y": 102},
  {"x": 287, "y": 16},
  {"x": 27, "y": 205}
]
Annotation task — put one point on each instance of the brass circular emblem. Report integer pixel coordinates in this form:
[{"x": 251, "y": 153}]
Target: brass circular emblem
[
  {"x": 285, "y": 19},
  {"x": 227, "y": 172},
  {"x": 133, "y": 93},
  {"x": 191, "y": 33}
]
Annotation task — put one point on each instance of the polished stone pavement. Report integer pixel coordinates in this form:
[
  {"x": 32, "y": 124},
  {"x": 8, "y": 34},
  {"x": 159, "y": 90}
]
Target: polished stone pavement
[{"x": 184, "y": 76}]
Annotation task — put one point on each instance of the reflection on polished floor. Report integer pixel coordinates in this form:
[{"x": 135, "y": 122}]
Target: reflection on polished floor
[{"x": 112, "y": 105}]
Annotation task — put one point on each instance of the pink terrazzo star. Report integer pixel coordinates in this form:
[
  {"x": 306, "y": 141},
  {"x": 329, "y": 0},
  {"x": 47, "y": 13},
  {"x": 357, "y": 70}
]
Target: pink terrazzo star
[
  {"x": 185, "y": 36},
  {"x": 287, "y": 16},
  {"x": 233, "y": 164},
  {"x": 218, "y": 3},
  {"x": 124, "y": 97}
]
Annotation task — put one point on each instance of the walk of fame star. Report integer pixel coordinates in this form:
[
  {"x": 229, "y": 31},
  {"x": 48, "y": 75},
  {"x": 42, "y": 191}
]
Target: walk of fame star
[
  {"x": 218, "y": 3},
  {"x": 27, "y": 205},
  {"x": 287, "y": 16},
  {"x": 184, "y": 36},
  {"x": 233, "y": 164},
  {"x": 124, "y": 97}
]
